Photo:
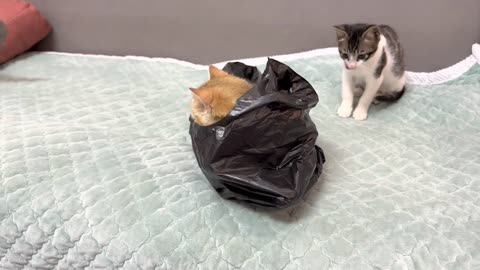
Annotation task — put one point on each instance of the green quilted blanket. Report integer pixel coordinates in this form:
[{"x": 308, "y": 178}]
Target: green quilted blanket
[{"x": 97, "y": 172}]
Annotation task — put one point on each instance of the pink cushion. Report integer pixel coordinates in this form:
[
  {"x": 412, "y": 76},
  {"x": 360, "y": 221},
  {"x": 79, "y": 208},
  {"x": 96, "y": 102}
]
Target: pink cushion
[{"x": 25, "y": 28}]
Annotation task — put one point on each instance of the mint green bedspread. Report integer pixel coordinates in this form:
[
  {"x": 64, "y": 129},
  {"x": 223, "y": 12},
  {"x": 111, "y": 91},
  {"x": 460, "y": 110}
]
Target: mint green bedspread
[{"x": 97, "y": 172}]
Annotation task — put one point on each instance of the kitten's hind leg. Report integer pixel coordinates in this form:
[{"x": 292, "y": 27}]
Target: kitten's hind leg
[
  {"x": 391, "y": 96},
  {"x": 391, "y": 90}
]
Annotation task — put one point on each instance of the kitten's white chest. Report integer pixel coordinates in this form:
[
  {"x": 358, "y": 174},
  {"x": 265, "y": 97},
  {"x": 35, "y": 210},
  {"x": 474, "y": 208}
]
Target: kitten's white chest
[
  {"x": 360, "y": 72},
  {"x": 359, "y": 76}
]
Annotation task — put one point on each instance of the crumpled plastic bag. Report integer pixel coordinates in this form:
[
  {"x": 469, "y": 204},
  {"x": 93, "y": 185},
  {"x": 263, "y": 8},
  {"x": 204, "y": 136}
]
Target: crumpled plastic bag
[{"x": 264, "y": 152}]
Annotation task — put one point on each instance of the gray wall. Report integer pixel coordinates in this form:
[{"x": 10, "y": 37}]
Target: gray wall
[{"x": 435, "y": 33}]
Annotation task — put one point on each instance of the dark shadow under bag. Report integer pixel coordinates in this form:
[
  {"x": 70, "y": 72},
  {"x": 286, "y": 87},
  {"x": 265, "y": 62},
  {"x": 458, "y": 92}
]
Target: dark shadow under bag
[{"x": 264, "y": 152}]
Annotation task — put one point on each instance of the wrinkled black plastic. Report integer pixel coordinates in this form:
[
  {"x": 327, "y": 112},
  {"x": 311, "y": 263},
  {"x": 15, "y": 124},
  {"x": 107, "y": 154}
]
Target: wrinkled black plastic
[{"x": 264, "y": 151}]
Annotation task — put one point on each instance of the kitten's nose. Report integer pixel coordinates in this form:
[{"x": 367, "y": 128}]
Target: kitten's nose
[{"x": 350, "y": 65}]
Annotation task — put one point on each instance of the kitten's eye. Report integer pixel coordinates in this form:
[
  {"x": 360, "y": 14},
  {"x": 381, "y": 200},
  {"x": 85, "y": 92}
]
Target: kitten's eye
[
  {"x": 362, "y": 57},
  {"x": 344, "y": 55}
]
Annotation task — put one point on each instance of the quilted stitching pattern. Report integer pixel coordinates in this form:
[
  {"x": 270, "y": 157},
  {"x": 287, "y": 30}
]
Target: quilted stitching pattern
[{"x": 97, "y": 172}]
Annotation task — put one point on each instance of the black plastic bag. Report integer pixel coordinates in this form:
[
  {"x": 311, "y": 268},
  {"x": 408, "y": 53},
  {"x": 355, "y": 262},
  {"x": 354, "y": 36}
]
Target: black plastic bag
[{"x": 264, "y": 152}]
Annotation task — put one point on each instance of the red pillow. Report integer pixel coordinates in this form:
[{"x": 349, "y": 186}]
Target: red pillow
[{"x": 25, "y": 27}]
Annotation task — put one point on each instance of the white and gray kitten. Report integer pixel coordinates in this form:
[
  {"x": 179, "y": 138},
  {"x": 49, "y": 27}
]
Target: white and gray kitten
[{"x": 374, "y": 67}]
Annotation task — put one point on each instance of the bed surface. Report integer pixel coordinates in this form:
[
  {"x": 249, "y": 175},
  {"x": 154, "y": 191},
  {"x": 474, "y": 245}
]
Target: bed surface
[{"x": 97, "y": 172}]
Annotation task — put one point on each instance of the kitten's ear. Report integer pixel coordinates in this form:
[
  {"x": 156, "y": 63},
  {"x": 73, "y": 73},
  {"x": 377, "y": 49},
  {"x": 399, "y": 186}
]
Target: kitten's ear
[
  {"x": 372, "y": 34},
  {"x": 203, "y": 101},
  {"x": 216, "y": 72},
  {"x": 341, "y": 33}
]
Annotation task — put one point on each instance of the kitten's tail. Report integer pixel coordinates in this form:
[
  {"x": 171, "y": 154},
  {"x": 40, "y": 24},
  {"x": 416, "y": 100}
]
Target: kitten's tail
[{"x": 391, "y": 97}]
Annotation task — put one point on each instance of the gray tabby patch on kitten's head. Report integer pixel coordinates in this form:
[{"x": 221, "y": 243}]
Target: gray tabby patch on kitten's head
[
  {"x": 357, "y": 42},
  {"x": 3, "y": 32}
]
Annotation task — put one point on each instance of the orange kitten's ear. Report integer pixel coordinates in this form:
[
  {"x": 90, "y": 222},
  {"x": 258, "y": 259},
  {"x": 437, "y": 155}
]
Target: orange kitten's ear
[
  {"x": 203, "y": 100},
  {"x": 216, "y": 72}
]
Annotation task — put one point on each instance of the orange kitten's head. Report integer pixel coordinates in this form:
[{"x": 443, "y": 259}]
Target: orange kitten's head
[{"x": 215, "y": 99}]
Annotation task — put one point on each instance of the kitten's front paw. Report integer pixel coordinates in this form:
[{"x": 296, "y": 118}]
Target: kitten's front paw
[
  {"x": 360, "y": 114},
  {"x": 344, "y": 110}
]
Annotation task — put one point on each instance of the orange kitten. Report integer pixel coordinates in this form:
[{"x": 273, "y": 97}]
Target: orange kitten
[{"x": 215, "y": 99}]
